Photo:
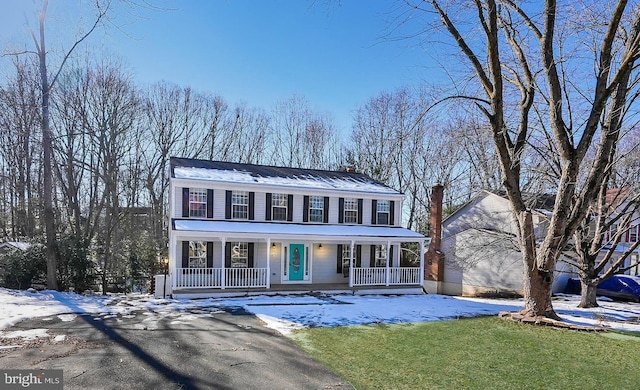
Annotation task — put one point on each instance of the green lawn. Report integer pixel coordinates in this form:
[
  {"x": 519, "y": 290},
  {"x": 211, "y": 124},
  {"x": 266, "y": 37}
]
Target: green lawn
[{"x": 478, "y": 353}]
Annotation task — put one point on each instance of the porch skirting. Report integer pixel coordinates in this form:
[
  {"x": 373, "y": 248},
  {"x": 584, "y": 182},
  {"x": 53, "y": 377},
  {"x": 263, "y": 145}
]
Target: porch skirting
[{"x": 297, "y": 289}]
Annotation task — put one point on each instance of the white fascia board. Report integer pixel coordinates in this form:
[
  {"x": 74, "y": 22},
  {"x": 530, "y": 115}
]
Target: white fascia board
[
  {"x": 289, "y": 189},
  {"x": 283, "y": 231}
]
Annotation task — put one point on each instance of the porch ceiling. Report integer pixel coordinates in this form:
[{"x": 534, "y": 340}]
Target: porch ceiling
[{"x": 290, "y": 230}]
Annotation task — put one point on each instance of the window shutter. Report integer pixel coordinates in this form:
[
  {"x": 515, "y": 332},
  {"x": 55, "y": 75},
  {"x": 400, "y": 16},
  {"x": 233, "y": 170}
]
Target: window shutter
[
  {"x": 339, "y": 259},
  {"x": 390, "y": 259},
  {"x": 325, "y": 219},
  {"x": 209, "y": 203},
  {"x": 227, "y": 255},
  {"x": 374, "y": 212},
  {"x": 227, "y": 206},
  {"x": 358, "y": 255},
  {"x": 305, "y": 214},
  {"x": 185, "y": 202},
  {"x": 360, "y": 211},
  {"x": 250, "y": 254},
  {"x": 185, "y": 254},
  {"x": 290, "y": 208},
  {"x": 209, "y": 254},
  {"x": 341, "y": 210},
  {"x": 372, "y": 256},
  {"x": 252, "y": 201},
  {"x": 392, "y": 211},
  {"x": 626, "y": 237},
  {"x": 267, "y": 215}
]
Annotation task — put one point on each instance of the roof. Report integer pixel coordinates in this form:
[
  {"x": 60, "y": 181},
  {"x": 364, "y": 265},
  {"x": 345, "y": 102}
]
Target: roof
[
  {"x": 23, "y": 246},
  {"x": 285, "y": 230},
  {"x": 220, "y": 171}
]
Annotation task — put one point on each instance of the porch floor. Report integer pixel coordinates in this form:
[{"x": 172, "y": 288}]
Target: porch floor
[{"x": 293, "y": 289}]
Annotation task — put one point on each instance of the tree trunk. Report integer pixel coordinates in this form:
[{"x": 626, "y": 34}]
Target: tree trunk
[
  {"x": 47, "y": 181},
  {"x": 538, "y": 281},
  {"x": 588, "y": 294}
]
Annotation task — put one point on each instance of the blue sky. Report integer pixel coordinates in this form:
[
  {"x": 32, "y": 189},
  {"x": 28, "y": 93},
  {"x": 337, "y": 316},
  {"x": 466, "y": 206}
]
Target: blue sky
[{"x": 257, "y": 52}]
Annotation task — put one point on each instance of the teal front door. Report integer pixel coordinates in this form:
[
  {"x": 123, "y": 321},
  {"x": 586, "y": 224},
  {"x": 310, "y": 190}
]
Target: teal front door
[{"x": 296, "y": 262}]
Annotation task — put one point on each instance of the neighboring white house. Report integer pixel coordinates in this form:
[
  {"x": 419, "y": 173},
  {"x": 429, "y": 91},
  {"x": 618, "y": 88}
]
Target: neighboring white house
[
  {"x": 242, "y": 227},
  {"x": 480, "y": 249}
]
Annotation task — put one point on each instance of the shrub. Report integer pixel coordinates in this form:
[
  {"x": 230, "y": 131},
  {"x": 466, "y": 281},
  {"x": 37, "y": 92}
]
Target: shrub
[{"x": 20, "y": 268}]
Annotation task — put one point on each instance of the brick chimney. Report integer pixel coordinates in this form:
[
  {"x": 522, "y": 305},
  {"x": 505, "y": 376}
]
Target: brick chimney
[{"x": 434, "y": 268}]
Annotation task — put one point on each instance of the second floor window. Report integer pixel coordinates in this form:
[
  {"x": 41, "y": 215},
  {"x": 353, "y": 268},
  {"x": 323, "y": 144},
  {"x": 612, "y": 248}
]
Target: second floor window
[
  {"x": 279, "y": 207},
  {"x": 316, "y": 208},
  {"x": 240, "y": 205},
  {"x": 350, "y": 210},
  {"x": 383, "y": 210},
  {"x": 633, "y": 233},
  {"x": 197, "y": 202}
]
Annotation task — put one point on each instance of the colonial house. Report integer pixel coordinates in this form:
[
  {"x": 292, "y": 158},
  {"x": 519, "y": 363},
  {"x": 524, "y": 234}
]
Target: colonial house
[
  {"x": 479, "y": 252},
  {"x": 242, "y": 228}
]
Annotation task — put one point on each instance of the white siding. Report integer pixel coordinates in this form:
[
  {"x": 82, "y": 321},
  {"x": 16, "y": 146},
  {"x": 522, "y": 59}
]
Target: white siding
[
  {"x": 298, "y": 208},
  {"x": 260, "y": 206},
  {"x": 176, "y": 203},
  {"x": 219, "y": 203},
  {"x": 487, "y": 211},
  {"x": 324, "y": 265}
]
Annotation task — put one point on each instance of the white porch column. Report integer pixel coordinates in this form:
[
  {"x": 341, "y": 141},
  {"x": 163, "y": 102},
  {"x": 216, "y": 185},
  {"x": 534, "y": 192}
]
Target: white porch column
[
  {"x": 421, "y": 276},
  {"x": 223, "y": 282},
  {"x": 386, "y": 271},
  {"x": 351, "y": 263},
  {"x": 268, "y": 262},
  {"x": 173, "y": 262}
]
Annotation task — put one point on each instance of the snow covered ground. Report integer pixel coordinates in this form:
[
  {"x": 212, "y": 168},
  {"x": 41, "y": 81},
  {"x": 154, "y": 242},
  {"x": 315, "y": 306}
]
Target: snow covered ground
[{"x": 287, "y": 313}]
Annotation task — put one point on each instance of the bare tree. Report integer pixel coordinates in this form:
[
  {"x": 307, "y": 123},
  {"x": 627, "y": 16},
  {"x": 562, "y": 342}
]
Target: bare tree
[
  {"x": 20, "y": 148},
  {"x": 519, "y": 62},
  {"x": 303, "y": 137},
  {"x": 46, "y": 85}
]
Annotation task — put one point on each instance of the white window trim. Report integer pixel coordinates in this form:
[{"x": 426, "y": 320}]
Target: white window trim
[
  {"x": 197, "y": 196},
  {"x": 197, "y": 254},
  {"x": 350, "y": 210},
  {"x": 279, "y": 202},
  {"x": 239, "y": 254},
  {"x": 240, "y": 210},
  {"x": 321, "y": 208}
]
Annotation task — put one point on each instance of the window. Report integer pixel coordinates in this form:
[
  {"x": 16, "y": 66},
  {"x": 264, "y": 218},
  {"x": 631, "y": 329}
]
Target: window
[
  {"x": 346, "y": 256},
  {"x": 613, "y": 229},
  {"x": 633, "y": 233},
  {"x": 383, "y": 211},
  {"x": 240, "y": 205},
  {"x": 380, "y": 256},
  {"x": 316, "y": 208},
  {"x": 197, "y": 254},
  {"x": 350, "y": 210},
  {"x": 197, "y": 202},
  {"x": 239, "y": 255},
  {"x": 279, "y": 206}
]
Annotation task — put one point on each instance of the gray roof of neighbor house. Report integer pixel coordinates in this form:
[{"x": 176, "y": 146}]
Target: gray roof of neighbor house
[{"x": 221, "y": 171}]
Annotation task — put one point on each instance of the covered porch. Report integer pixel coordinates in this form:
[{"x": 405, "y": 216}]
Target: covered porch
[{"x": 295, "y": 257}]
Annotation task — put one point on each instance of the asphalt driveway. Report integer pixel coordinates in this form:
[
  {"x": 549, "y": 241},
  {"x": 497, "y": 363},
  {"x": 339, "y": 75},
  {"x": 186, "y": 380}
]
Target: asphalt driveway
[{"x": 179, "y": 350}]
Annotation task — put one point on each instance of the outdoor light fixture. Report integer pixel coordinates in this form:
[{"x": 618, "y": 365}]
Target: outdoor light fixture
[
  {"x": 273, "y": 244},
  {"x": 319, "y": 245}
]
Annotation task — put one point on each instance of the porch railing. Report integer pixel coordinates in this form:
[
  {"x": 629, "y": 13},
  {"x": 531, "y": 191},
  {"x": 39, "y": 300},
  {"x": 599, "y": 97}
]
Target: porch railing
[
  {"x": 377, "y": 276},
  {"x": 212, "y": 277}
]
